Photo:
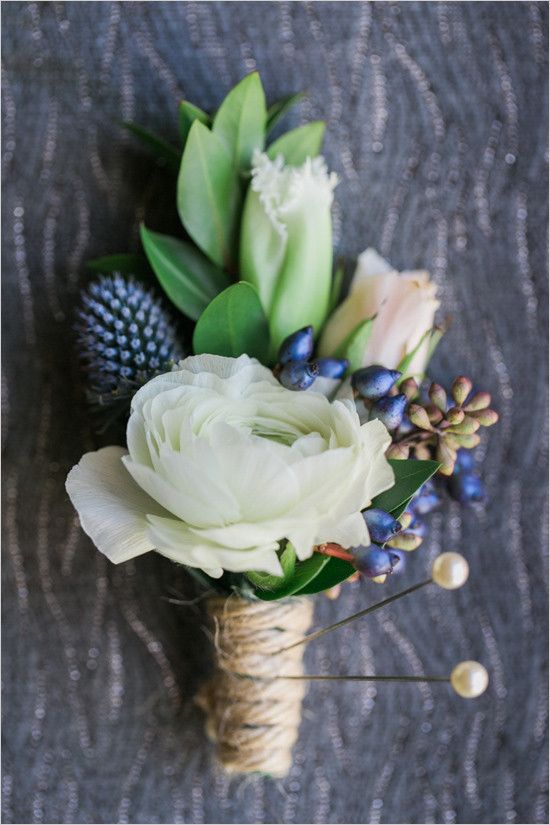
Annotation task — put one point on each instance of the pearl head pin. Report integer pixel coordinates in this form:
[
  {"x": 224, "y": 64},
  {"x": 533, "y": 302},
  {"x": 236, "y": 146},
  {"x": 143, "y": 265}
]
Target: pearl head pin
[
  {"x": 450, "y": 571},
  {"x": 469, "y": 679}
]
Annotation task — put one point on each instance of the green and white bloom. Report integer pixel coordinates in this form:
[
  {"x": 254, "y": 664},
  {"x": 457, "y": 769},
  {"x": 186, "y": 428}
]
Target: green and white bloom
[
  {"x": 223, "y": 463},
  {"x": 286, "y": 242}
]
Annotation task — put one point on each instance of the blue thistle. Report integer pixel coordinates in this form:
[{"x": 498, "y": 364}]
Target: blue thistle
[{"x": 125, "y": 337}]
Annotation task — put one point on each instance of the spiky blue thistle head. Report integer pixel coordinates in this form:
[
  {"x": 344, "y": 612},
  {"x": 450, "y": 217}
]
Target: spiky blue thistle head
[{"x": 125, "y": 337}]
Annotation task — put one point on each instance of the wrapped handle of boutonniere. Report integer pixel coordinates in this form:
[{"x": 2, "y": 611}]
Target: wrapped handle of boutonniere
[{"x": 252, "y": 715}]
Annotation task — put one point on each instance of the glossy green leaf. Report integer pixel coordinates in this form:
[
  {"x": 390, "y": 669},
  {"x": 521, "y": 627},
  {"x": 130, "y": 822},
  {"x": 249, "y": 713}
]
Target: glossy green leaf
[
  {"x": 209, "y": 195},
  {"x": 436, "y": 336},
  {"x": 334, "y": 572},
  {"x": 164, "y": 151},
  {"x": 301, "y": 143},
  {"x": 127, "y": 264},
  {"x": 187, "y": 277},
  {"x": 406, "y": 361},
  {"x": 233, "y": 324},
  {"x": 188, "y": 114},
  {"x": 354, "y": 346},
  {"x": 278, "y": 109},
  {"x": 410, "y": 475},
  {"x": 304, "y": 572},
  {"x": 240, "y": 120},
  {"x": 264, "y": 581}
]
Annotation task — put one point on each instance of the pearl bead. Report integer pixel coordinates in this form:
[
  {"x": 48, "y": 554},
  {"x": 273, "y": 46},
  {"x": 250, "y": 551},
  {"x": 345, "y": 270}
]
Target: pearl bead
[
  {"x": 450, "y": 571},
  {"x": 469, "y": 679}
]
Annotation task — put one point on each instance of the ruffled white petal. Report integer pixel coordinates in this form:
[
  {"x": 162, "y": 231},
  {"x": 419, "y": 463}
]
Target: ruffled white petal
[{"x": 112, "y": 508}]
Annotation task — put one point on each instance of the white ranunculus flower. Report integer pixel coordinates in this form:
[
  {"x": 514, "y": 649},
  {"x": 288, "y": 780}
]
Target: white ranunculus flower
[
  {"x": 223, "y": 463},
  {"x": 404, "y": 304}
]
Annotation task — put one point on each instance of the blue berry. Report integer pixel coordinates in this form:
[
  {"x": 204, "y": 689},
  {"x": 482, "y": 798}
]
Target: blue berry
[
  {"x": 297, "y": 347},
  {"x": 375, "y": 561},
  {"x": 332, "y": 367},
  {"x": 464, "y": 461},
  {"x": 425, "y": 500},
  {"x": 374, "y": 382},
  {"x": 417, "y": 527},
  {"x": 389, "y": 410},
  {"x": 298, "y": 375},
  {"x": 382, "y": 526},
  {"x": 466, "y": 487}
]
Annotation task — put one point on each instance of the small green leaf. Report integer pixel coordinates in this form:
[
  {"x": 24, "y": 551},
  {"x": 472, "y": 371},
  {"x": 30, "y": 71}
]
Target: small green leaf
[
  {"x": 233, "y": 324},
  {"x": 268, "y": 582},
  {"x": 301, "y": 143},
  {"x": 278, "y": 109},
  {"x": 406, "y": 361},
  {"x": 336, "y": 288},
  {"x": 354, "y": 346},
  {"x": 240, "y": 120},
  {"x": 336, "y": 571},
  {"x": 164, "y": 151},
  {"x": 187, "y": 277},
  {"x": 304, "y": 572},
  {"x": 435, "y": 338},
  {"x": 127, "y": 264},
  {"x": 209, "y": 195},
  {"x": 410, "y": 475},
  {"x": 188, "y": 114}
]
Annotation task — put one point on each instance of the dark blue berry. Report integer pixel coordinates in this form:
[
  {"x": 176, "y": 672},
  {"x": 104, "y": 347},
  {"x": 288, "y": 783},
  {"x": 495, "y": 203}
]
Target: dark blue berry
[
  {"x": 374, "y": 382},
  {"x": 298, "y": 375},
  {"x": 464, "y": 461},
  {"x": 425, "y": 500},
  {"x": 466, "y": 487},
  {"x": 382, "y": 526},
  {"x": 389, "y": 410},
  {"x": 332, "y": 367},
  {"x": 374, "y": 561},
  {"x": 297, "y": 347}
]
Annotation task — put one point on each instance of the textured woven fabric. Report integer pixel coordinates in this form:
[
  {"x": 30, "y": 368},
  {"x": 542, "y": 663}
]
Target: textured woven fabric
[{"x": 437, "y": 128}]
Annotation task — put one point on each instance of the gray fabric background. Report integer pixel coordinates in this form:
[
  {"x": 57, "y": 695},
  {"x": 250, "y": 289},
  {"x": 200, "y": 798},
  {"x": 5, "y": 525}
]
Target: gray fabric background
[{"x": 437, "y": 127}]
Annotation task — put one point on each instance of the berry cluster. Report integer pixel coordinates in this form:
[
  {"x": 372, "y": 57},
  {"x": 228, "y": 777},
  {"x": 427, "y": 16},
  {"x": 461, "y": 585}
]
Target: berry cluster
[
  {"x": 436, "y": 427},
  {"x": 297, "y": 369}
]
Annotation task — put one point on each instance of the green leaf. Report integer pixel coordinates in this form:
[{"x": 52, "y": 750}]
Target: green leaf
[
  {"x": 336, "y": 288},
  {"x": 353, "y": 347},
  {"x": 265, "y": 581},
  {"x": 233, "y": 324},
  {"x": 336, "y": 571},
  {"x": 187, "y": 277},
  {"x": 301, "y": 143},
  {"x": 410, "y": 475},
  {"x": 278, "y": 109},
  {"x": 188, "y": 114},
  {"x": 406, "y": 361},
  {"x": 304, "y": 572},
  {"x": 209, "y": 195},
  {"x": 127, "y": 264},
  {"x": 435, "y": 338},
  {"x": 240, "y": 120},
  {"x": 164, "y": 151}
]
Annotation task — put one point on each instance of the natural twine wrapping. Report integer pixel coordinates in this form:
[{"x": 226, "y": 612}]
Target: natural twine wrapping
[{"x": 254, "y": 717}]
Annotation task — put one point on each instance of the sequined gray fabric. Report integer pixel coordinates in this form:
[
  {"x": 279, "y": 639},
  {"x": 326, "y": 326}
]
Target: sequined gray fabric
[{"x": 437, "y": 128}]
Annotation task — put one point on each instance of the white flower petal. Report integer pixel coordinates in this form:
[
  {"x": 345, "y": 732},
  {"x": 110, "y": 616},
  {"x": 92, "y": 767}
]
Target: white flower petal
[
  {"x": 174, "y": 540},
  {"x": 111, "y": 507}
]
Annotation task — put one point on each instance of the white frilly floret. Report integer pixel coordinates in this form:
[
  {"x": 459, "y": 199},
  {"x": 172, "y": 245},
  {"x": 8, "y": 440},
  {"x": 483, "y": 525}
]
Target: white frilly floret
[{"x": 282, "y": 188}]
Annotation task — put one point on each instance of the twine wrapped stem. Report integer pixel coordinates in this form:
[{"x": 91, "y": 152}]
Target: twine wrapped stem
[{"x": 251, "y": 715}]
